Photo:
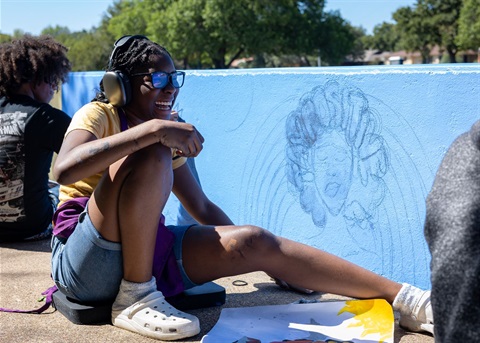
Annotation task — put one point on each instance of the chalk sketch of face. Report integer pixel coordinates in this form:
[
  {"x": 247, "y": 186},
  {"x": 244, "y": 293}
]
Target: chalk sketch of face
[
  {"x": 336, "y": 163},
  {"x": 335, "y": 153},
  {"x": 332, "y": 170}
]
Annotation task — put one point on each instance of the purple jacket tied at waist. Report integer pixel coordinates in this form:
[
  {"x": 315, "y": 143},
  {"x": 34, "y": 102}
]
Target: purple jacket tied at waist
[{"x": 165, "y": 268}]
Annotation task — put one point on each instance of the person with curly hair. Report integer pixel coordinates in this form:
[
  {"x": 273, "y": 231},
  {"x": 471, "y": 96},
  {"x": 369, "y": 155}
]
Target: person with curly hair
[
  {"x": 31, "y": 69},
  {"x": 121, "y": 158}
]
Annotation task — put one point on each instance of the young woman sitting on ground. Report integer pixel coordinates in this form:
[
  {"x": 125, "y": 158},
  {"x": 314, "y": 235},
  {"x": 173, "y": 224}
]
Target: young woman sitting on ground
[{"x": 119, "y": 162}]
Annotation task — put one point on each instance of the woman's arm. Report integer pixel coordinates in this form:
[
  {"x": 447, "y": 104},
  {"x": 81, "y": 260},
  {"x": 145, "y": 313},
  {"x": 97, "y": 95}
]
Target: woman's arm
[
  {"x": 83, "y": 155},
  {"x": 192, "y": 197}
]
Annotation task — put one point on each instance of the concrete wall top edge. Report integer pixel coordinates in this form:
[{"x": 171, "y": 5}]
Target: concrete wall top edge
[
  {"x": 459, "y": 68},
  {"x": 87, "y": 73},
  {"x": 347, "y": 70}
]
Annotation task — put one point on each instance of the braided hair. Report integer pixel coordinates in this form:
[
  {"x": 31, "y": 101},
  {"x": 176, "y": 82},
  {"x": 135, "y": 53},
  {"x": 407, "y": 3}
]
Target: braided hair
[
  {"x": 127, "y": 60},
  {"x": 32, "y": 59}
]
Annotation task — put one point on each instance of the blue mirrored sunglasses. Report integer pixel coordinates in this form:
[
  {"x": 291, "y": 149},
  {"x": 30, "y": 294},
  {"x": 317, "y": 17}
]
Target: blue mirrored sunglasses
[{"x": 160, "y": 79}]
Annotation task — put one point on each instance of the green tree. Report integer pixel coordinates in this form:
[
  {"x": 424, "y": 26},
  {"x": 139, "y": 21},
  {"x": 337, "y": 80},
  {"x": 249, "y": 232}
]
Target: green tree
[
  {"x": 127, "y": 17},
  {"x": 385, "y": 37},
  {"x": 60, "y": 33},
  {"x": 5, "y": 38},
  {"x": 213, "y": 33},
  {"x": 87, "y": 50},
  {"x": 18, "y": 33},
  {"x": 210, "y": 27},
  {"x": 222, "y": 30},
  {"x": 357, "y": 51},
  {"x": 429, "y": 23},
  {"x": 445, "y": 20},
  {"x": 90, "y": 50},
  {"x": 337, "y": 39},
  {"x": 415, "y": 29},
  {"x": 469, "y": 25}
]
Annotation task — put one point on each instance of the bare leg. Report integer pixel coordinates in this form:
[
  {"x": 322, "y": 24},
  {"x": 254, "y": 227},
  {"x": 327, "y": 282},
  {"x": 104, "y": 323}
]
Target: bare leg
[
  {"x": 210, "y": 253},
  {"x": 126, "y": 207},
  {"x": 127, "y": 204}
]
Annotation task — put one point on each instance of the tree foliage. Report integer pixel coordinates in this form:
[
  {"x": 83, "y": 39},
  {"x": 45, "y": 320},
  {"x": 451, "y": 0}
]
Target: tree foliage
[
  {"x": 429, "y": 23},
  {"x": 5, "y": 38},
  {"x": 469, "y": 25},
  {"x": 445, "y": 21},
  {"x": 385, "y": 37},
  {"x": 127, "y": 17},
  {"x": 415, "y": 29},
  {"x": 214, "y": 33},
  {"x": 337, "y": 39},
  {"x": 87, "y": 50}
]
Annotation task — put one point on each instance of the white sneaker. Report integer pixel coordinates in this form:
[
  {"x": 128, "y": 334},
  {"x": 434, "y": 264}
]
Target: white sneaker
[
  {"x": 421, "y": 318},
  {"x": 154, "y": 317}
]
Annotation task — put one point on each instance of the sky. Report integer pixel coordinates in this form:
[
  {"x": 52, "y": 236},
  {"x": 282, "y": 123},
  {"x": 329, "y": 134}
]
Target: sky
[{"x": 33, "y": 16}]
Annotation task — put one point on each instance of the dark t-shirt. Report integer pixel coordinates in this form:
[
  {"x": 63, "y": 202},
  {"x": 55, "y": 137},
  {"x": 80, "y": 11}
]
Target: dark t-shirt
[{"x": 30, "y": 132}]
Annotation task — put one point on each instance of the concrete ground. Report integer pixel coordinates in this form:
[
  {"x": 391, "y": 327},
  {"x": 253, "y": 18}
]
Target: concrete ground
[{"x": 25, "y": 273}]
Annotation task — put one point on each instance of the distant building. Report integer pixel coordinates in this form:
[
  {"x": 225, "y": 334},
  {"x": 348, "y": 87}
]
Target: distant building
[{"x": 436, "y": 56}]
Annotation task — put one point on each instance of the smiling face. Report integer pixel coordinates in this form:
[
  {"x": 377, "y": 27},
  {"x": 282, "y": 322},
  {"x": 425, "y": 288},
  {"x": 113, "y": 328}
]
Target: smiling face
[{"x": 149, "y": 102}]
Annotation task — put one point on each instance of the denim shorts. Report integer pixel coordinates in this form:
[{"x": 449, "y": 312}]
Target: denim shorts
[{"x": 89, "y": 268}]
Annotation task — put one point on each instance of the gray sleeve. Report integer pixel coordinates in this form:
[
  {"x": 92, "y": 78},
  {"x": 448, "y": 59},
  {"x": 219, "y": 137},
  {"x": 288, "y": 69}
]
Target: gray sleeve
[{"x": 452, "y": 231}]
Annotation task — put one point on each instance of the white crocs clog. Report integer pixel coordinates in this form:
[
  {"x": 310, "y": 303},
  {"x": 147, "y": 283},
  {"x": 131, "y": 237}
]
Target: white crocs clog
[{"x": 154, "y": 317}]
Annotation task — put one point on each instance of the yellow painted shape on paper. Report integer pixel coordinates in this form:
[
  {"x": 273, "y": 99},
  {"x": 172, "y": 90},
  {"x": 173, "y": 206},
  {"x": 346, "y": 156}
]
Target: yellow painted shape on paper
[{"x": 375, "y": 316}]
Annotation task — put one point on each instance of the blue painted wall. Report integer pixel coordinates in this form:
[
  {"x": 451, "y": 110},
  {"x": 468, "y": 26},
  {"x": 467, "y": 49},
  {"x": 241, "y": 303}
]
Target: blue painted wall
[{"x": 338, "y": 158}]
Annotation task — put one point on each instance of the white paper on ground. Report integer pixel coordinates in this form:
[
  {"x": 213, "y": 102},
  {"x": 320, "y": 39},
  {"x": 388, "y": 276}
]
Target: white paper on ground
[{"x": 337, "y": 321}]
